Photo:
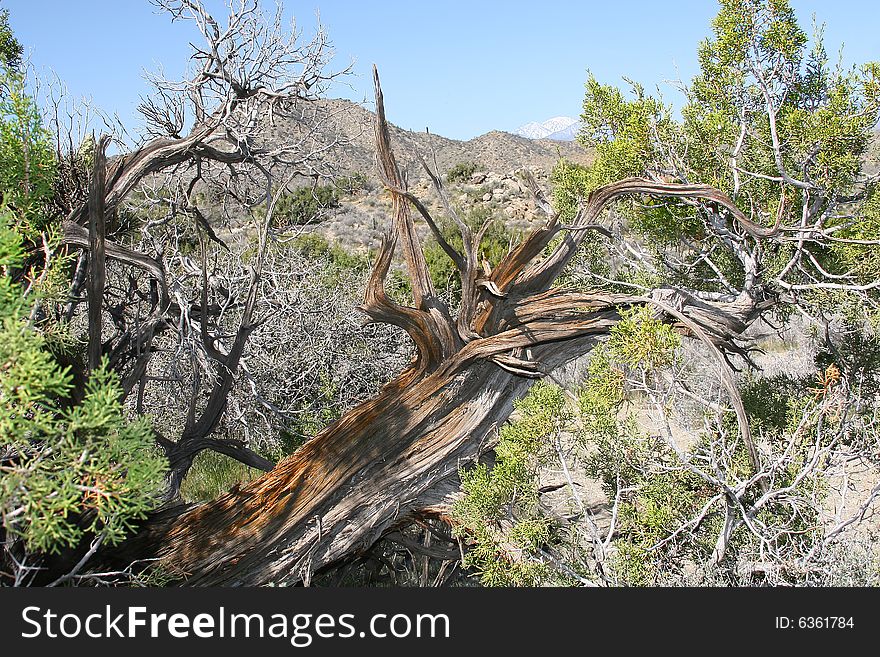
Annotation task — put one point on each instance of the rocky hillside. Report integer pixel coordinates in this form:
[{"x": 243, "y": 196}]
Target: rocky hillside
[
  {"x": 352, "y": 126},
  {"x": 494, "y": 186},
  {"x": 363, "y": 217}
]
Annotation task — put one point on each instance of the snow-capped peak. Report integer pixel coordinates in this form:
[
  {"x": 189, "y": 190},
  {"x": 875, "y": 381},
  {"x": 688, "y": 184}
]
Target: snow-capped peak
[
  {"x": 557, "y": 125},
  {"x": 532, "y": 130}
]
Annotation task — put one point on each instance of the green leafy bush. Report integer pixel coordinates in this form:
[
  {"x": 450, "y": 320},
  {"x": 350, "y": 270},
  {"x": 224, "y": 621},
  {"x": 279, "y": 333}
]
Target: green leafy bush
[
  {"x": 336, "y": 257},
  {"x": 499, "y": 512},
  {"x": 10, "y": 48},
  {"x": 305, "y": 205},
  {"x": 72, "y": 465},
  {"x": 27, "y": 158},
  {"x": 461, "y": 172},
  {"x": 69, "y": 471},
  {"x": 496, "y": 243},
  {"x": 352, "y": 183}
]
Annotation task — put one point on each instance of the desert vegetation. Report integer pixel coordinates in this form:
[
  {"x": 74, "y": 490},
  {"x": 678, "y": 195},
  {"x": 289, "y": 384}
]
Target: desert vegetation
[{"x": 667, "y": 374}]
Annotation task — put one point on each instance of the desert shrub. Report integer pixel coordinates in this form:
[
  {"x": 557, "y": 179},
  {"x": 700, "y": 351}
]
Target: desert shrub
[
  {"x": 495, "y": 244},
  {"x": 72, "y": 466},
  {"x": 461, "y": 172},
  {"x": 27, "y": 156},
  {"x": 769, "y": 400},
  {"x": 305, "y": 205},
  {"x": 670, "y": 498},
  {"x": 337, "y": 258},
  {"x": 70, "y": 471},
  {"x": 499, "y": 513},
  {"x": 352, "y": 183}
]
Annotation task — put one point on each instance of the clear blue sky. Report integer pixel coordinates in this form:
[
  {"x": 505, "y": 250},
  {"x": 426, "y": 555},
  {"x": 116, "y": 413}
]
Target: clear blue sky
[{"x": 460, "y": 68}]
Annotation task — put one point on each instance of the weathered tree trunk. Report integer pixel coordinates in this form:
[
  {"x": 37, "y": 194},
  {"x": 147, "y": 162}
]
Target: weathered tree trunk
[
  {"x": 97, "y": 271},
  {"x": 389, "y": 458},
  {"x": 342, "y": 490}
]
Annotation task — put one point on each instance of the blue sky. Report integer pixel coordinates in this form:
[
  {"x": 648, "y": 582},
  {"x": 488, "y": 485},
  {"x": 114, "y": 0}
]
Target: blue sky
[{"x": 456, "y": 67}]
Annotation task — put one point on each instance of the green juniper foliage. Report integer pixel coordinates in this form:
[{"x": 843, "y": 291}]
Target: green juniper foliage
[
  {"x": 638, "y": 345},
  {"x": 10, "y": 48},
  {"x": 68, "y": 471},
  {"x": 658, "y": 492},
  {"x": 27, "y": 156},
  {"x": 784, "y": 133},
  {"x": 305, "y": 205},
  {"x": 769, "y": 120},
  {"x": 824, "y": 118},
  {"x": 499, "y": 513}
]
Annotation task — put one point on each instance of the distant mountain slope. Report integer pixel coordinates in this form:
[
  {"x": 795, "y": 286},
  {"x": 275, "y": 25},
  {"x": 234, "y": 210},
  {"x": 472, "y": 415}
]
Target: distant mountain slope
[{"x": 352, "y": 125}]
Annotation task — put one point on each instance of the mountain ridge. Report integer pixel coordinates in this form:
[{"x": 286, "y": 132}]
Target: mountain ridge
[
  {"x": 351, "y": 125},
  {"x": 558, "y": 128},
  {"x": 495, "y": 185}
]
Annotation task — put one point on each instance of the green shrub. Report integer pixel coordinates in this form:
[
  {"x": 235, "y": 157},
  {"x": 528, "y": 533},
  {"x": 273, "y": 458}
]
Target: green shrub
[
  {"x": 353, "y": 183},
  {"x": 318, "y": 247},
  {"x": 499, "y": 512},
  {"x": 659, "y": 494},
  {"x": 461, "y": 172},
  {"x": 72, "y": 470},
  {"x": 10, "y": 48},
  {"x": 496, "y": 243},
  {"x": 69, "y": 470},
  {"x": 27, "y": 157},
  {"x": 305, "y": 205}
]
